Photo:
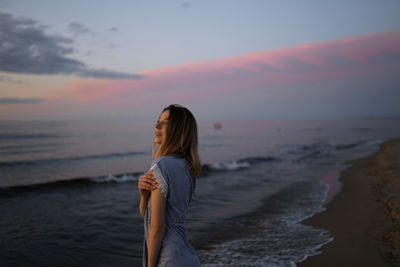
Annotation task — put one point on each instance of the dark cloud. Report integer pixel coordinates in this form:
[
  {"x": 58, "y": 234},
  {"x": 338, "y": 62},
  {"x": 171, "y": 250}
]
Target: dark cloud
[
  {"x": 25, "y": 48},
  {"x": 106, "y": 73},
  {"x": 13, "y": 101},
  {"x": 78, "y": 28}
]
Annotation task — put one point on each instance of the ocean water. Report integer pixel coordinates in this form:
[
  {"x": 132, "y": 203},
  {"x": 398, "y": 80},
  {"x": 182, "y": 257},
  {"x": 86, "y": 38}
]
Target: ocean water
[{"x": 68, "y": 189}]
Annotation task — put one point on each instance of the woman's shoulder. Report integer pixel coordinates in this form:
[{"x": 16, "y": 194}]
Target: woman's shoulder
[
  {"x": 165, "y": 161},
  {"x": 170, "y": 159}
]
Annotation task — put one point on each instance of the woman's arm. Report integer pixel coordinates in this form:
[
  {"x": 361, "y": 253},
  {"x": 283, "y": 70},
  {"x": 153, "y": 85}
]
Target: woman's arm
[
  {"x": 143, "y": 205},
  {"x": 146, "y": 184},
  {"x": 157, "y": 225}
]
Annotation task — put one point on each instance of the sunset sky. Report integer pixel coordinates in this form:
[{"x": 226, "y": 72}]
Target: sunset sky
[{"x": 221, "y": 59}]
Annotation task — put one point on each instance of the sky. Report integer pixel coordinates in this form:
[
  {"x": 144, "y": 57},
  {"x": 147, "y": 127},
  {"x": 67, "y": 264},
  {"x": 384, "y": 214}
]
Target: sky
[{"x": 222, "y": 59}]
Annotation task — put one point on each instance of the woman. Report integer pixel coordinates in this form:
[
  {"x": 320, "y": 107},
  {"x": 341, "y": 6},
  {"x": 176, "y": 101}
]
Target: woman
[{"x": 167, "y": 188}]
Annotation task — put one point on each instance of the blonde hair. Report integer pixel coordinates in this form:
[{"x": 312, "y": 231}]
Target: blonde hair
[{"x": 181, "y": 138}]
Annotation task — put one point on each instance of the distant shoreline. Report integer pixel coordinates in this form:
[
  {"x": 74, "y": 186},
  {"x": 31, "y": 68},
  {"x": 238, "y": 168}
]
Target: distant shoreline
[{"x": 364, "y": 217}]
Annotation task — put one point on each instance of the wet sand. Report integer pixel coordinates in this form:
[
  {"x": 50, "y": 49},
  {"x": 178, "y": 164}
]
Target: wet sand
[{"x": 364, "y": 217}]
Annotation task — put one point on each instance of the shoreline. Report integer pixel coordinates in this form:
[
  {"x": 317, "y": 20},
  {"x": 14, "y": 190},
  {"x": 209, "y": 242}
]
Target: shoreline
[{"x": 364, "y": 216}]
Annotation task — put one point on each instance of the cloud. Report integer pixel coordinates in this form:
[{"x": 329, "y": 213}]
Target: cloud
[
  {"x": 78, "y": 28},
  {"x": 19, "y": 101},
  {"x": 332, "y": 78},
  {"x": 25, "y": 48},
  {"x": 371, "y": 55},
  {"x": 108, "y": 74}
]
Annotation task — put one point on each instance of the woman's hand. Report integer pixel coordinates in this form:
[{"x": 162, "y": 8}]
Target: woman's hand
[{"x": 146, "y": 184}]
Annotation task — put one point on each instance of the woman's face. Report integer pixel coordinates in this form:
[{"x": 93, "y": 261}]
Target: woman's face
[{"x": 160, "y": 127}]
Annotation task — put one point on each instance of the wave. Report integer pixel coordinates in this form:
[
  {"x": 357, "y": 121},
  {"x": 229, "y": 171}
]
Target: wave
[
  {"x": 236, "y": 165},
  {"x": 375, "y": 142},
  {"x": 126, "y": 177},
  {"x": 77, "y": 158},
  {"x": 278, "y": 218},
  {"x": 70, "y": 183},
  {"x": 323, "y": 148}
]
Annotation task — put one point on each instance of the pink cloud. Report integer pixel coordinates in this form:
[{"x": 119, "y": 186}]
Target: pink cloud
[{"x": 260, "y": 70}]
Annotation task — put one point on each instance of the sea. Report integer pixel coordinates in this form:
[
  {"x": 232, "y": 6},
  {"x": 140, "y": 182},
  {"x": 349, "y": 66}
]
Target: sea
[{"x": 69, "y": 196}]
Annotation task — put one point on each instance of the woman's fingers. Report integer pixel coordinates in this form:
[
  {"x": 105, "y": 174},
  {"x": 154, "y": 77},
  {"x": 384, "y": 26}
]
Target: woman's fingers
[
  {"x": 152, "y": 181},
  {"x": 149, "y": 175},
  {"x": 150, "y": 178},
  {"x": 147, "y": 187},
  {"x": 147, "y": 183}
]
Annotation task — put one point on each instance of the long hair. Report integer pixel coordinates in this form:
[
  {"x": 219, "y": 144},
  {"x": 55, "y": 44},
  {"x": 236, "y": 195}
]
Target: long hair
[{"x": 181, "y": 138}]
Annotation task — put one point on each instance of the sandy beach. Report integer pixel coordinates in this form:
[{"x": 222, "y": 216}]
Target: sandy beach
[{"x": 364, "y": 217}]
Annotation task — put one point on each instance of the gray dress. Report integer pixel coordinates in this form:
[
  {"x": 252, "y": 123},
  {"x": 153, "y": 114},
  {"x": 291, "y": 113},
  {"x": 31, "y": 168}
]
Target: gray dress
[{"x": 177, "y": 186}]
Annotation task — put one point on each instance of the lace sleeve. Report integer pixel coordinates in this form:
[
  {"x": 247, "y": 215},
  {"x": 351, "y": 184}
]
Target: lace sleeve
[{"x": 162, "y": 184}]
